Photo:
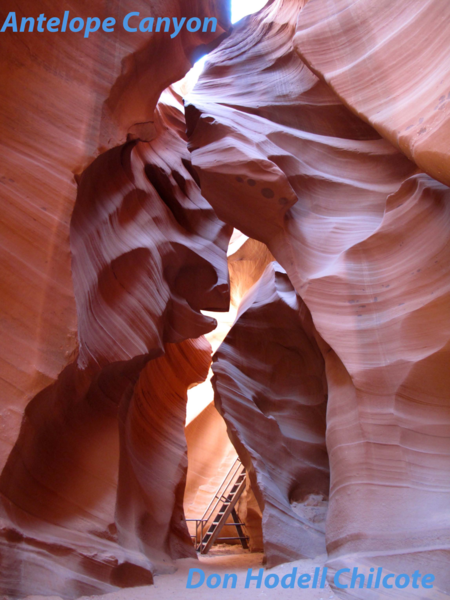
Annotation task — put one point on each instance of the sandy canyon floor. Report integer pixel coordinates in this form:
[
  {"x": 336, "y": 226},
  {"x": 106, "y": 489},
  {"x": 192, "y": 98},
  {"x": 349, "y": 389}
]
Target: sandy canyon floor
[{"x": 221, "y": 560}]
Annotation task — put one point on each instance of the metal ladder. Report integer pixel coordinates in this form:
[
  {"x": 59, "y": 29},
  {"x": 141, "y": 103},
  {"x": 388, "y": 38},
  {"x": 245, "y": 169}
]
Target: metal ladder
[{"x": 221, "y": 507}]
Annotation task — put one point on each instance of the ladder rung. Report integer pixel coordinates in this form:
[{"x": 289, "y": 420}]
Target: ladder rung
[
  {"x": 227, "y": 509},
  {"x": 243, "y": 537}
]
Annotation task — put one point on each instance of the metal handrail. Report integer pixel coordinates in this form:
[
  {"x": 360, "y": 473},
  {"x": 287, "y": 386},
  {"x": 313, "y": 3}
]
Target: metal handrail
[
  {"x": 236, "y": 464},
  {"x": 218, "y": 497}
]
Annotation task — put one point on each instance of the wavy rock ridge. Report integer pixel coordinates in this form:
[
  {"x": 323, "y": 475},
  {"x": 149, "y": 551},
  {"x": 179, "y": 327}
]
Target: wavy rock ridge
[
  {"x": 269, "y": 383},
  {"x": 91, "y": 492},
  {"x": 148, "y": 251},
  {"x": 320, "y": 130},
  {"x": 64, "y": 100},
  {"x": 363, "y": 236},
  {"x": 391, "y": 67}
]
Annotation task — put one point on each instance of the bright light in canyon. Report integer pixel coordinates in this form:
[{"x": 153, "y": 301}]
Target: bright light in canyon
[
  {"x": 239, "y": 10},
  {"x": 242, "y": 8}
]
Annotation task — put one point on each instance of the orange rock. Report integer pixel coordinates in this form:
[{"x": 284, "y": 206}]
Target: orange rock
[
  {"x": 270, "y": 387},
  {"x": 148, "y": 255},
  {"x": 389, "y": 62},
  {"x": 363, "y": 236}
]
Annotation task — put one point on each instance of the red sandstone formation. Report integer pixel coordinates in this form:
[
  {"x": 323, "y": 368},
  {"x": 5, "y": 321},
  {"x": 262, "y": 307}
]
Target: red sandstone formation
[
  {"x": 246, "y": 267},
  {"x": 389, "y": 62},
  {"x": 148, "y": 255},
  {"x": 211, "y": 455},
  {"x": 363, "y": 236},
  {"x": 88, "y": 506},
  {"x": 210, "y": 451},
  {"x": 63, "y": 100},
  {"x": 148, "y": 251},
  {"x": 285, "y": 131},
  {"x": 269, "y": 382},
  {"x": 153, "y": 461}
]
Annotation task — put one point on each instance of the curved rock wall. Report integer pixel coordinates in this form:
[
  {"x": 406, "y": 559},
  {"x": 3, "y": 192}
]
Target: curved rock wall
[
  {"x": 210, "y": 451},
  {"x": 58, "y": 490},
  {"x": 65, "y": 99},
  {"x": 77, "y": 498},
  {"x": 284, "y": 130},
  {"x": 153, "y": 462},
  {"x": 148, "y": 251},
  {"x": 389, "y": 62},
  {"x": 93, "y": 490},
  {"x": 270, "y": 387},
  {"x": 363, "y": 236}
]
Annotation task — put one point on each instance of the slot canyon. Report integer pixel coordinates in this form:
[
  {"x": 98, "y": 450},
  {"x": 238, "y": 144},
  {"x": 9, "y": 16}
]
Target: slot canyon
[{"x": 241, "y": 275}]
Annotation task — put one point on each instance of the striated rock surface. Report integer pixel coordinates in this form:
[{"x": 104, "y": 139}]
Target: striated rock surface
[
  {"x": 363, "y": 236},
  {"x": 285, "y": 133},
  {"x": 148, "y": 251},
  {"x": 58, "y": 490},
  {"x": 211, "y": 455},
  {"x": 153, "y": 462},
  {"x": 269, "y": 382},
  {"x": 390, "y": 63},
  {"x": 65, "y": 99},
  {"x": 210, "y": 451},
  {"x": 92, "y": 492}
]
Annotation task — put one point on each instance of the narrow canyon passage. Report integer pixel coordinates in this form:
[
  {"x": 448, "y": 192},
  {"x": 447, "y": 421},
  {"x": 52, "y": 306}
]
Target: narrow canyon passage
[{"x": 240, "y": 266}]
